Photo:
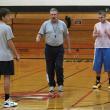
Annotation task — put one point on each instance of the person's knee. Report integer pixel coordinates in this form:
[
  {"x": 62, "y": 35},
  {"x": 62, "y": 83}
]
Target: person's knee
[{"x": 58, "y": 66}]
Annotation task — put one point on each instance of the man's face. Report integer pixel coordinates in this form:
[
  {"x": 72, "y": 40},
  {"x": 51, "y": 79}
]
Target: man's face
[
  {"x": 54, "y": 16},
  {"x": 7, "y": 18},
  {"x": 102, "y": 18}
]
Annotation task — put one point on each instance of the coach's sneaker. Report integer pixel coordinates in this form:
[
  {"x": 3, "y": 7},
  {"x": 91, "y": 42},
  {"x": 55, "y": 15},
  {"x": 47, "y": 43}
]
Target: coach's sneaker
[
  {"x": 60, "y": 88},
  {"x": 96, "y": 86},
  {"x": 10, "y": 103},
  {"x": 51, "y": 90},
  {"x": 60, "y": 91}
]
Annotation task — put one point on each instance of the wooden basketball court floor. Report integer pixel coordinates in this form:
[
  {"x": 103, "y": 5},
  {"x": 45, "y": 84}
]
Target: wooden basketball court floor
[{"x": 30, "y": 89}]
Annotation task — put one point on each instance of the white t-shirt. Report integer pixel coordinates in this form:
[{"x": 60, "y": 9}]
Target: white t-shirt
[
  {"x": 102, "y": 41},
  {"x": 5, "y": 35}
]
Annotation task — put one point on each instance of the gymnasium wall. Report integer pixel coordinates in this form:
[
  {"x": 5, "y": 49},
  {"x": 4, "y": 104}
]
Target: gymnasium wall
[{"x": 26, "y": 25}]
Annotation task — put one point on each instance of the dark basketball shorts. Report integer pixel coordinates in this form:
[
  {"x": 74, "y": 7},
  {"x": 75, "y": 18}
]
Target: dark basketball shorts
[{"x": 7, "y": 67}]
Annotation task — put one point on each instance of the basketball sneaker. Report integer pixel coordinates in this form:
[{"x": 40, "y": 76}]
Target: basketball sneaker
[
  {"x": 9, "y": 103},
  {"x": 96, "y": 86},
  {"x": 60, "y": 88},
  {"x": 51, "y": 90}
]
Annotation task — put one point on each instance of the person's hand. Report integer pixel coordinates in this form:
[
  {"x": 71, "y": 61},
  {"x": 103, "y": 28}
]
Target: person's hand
[
  {"x": 37, "y": 39},
  {"x": 17, "y": 57}
]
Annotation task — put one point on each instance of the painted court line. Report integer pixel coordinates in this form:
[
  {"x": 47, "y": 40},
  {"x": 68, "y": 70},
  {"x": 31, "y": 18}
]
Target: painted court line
[{"x": 84, "y": 96}]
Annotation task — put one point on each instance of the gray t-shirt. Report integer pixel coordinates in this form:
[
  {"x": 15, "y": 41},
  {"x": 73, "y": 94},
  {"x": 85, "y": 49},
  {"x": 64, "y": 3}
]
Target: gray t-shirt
[
  {"x": 54, "y": 32},
  {"x": 5, "y": 35}
]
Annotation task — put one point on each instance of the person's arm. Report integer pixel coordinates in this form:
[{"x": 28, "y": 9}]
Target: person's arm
[
  {"x": 9, "y": 37},
  {"x": 68, "y": 42},
  {"x": 41, "y": 32},
  {"x": 12, "y": 47},
  {"x": 95, "y": 33},
  {"x": 66, "y": 35},
  {"x": 38, "y": 38}
]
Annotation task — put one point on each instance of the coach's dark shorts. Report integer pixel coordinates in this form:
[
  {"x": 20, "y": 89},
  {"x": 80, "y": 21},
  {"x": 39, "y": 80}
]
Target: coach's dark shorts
[{"x": 7, "y": 67}]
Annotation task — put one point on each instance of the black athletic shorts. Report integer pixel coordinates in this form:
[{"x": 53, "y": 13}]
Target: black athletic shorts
[{"x": 7, "y": 67}]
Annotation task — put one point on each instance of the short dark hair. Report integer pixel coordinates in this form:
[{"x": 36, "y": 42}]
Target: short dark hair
[
  {"x": 102, "y": 12},
  {"x": 53, "y": 9},
  {"x": 4, "y": 12}
]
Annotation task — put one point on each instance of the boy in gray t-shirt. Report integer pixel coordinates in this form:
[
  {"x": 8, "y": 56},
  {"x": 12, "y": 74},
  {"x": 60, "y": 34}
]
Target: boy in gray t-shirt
[{"x": 7, "y": 53}]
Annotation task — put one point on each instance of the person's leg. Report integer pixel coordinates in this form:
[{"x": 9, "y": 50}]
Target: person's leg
[
  {"x": 8, "y": 102},
  {"x": 97, "y": 83},
  {"x": 8, "y": 70},
  {"x": 59, "y": 68},
  {"x": 106, "y": 52},
  {"x": 50, "y": 66},
  {"x": 7, "y": 86},
  {"x": 98, "y": 75},
  {"x": 48, "y": 79},
  {"x": 50, "y": 75},
  {"x": 98, "y": 60}
]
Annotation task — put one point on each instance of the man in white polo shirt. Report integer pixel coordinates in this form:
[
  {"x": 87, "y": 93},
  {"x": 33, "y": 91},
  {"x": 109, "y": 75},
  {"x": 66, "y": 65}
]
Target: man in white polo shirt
[
  {"x": 101, "y": 35},
  {"x": 55, "y": 32}
]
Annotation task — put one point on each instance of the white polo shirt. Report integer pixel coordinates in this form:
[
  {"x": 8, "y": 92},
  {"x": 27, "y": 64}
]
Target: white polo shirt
[{"x": 54, "y": 32}]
